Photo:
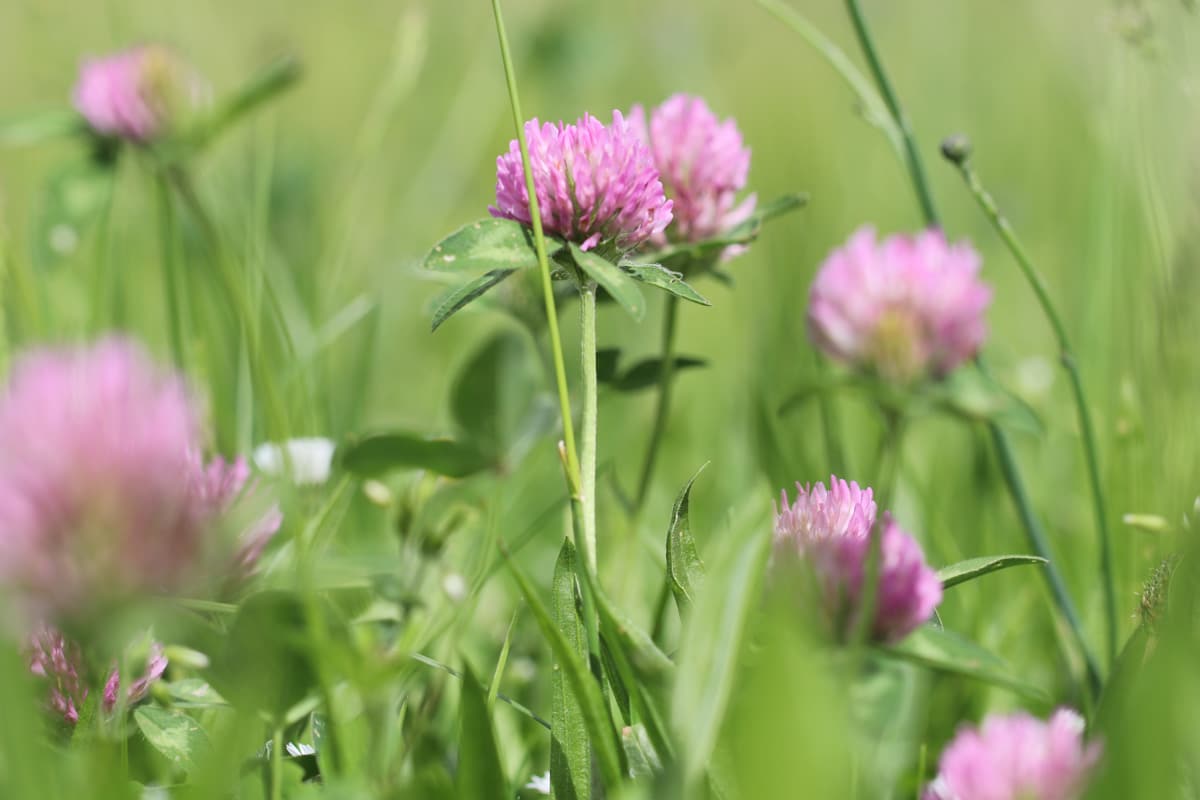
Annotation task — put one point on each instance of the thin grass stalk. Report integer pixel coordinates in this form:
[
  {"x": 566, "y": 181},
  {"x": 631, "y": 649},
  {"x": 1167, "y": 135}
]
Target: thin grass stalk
[
  {"x": 1082, "y": 408},
  {"x": 912, "y": 154},
  {"x": 583, "y": 496},
  {"x": 539, "y": 243}
]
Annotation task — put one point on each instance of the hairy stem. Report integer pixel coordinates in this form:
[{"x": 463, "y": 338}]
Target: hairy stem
[
  {"x": 1071, "y": 365},
  {"x": 662, "y": 413},
  {"x": 588, "y": 422},
  {"x": 912, "y": 155}
]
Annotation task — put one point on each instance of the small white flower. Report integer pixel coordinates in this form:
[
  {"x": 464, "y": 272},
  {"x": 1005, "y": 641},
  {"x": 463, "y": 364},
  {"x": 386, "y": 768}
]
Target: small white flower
[
  {"x": 311, "y": 459},
  {"x": 455, "y": 586},
  {"x": 539, "y": 783},
  {"x": 296, "y": 750}
]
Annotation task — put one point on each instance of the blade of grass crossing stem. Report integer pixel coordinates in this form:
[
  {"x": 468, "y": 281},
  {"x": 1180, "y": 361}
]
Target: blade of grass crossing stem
[
  {"x": 480, "y": 776},
  {"x": 539, "y": 241},
  {"x": 580, "y": 680},
  {"x": 501, "y": 663},
  {"x": 570, "y": 749},
  {"x": 1071, "y": 365}
]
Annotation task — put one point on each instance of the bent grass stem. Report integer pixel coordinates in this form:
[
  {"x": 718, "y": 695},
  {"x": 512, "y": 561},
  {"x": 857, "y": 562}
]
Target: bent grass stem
[
  {"x": 1004, "y": 452},
  {"x": 1071, "y": 365}
]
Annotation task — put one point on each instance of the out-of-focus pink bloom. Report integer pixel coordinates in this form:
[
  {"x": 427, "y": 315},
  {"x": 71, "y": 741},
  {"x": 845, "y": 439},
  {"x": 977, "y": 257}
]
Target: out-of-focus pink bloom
[
  {"x": 703, "y": 164},
  {"x": 596, "y": 185},
  {"x": 97, "y": 486},
  {"x": 908, "y": 307},
  {"x": 830, "y": 529},
  {"x": 222, "y": 484},
  {"x": 59, "y": 661},
  {"x": 156, "y": 665},
  {"x": 135, "y": 94},
  {"x": 1017, "y": 757}
]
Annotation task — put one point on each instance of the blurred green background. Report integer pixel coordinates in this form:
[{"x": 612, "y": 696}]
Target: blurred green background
[{"x": 1084, "y": 120}]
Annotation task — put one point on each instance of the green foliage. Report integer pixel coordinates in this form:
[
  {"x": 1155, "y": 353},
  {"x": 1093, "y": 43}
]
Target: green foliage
[
  {"x": 570, "y": 748},
  {"x": 620, "y": 286},
  {"x": 685, "y": 570},
  {"x": 479, "y": 772},
  {"x": 973, "y": 568}
]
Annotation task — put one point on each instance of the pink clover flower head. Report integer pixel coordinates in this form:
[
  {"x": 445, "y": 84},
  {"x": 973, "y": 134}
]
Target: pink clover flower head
[
  {"x": 97, "y": 486},
  {"x": 908, "y": 307},
  {"x": 830, "y": 529},
  {"x": 156, "y": 665},
  {"x": 1017, "y": 757},
  {"x": 221, "y": 486},
  {"x": 59, "y": 662},
  {"x": 596, "y": 185},
  {"x": 135, "y": 94},
  {"x": 703, "y": 163}
]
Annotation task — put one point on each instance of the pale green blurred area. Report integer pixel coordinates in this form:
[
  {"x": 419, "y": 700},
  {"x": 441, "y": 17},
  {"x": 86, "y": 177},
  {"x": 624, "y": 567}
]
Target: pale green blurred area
[{"x": 1088, "y": 140}]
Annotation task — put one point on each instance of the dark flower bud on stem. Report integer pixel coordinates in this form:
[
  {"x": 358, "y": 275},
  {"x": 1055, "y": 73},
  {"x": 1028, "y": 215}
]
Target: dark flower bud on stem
[{"x": 956, "y": 148}]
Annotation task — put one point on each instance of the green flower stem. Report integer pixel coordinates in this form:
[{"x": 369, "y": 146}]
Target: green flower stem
[
  {"x": 588, "y": 422},
  {"x": 1037, "y": 540},
  {"x": 916, "y": 169},
  {"x": 831, "y": 426},
  {"x": 662, "y": 413},
  {"x": 1071, "y": 365},
  {"x": 539, "y": 243},
  {"x": 277, "y": 764},
  {"x": 170, "y": 267},
  {"x": 1004, "y": 452},
  {"x": 583, "y": 496}
]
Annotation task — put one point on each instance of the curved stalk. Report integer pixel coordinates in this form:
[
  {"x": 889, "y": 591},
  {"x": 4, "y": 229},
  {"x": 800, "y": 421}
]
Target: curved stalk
[
  {"x": 912, "y": 155},
  {"x": 1004, "y": 453},
  {"x": 539, "y": 243},
  {"x": 1069, "y": 363},
  {"x": 662, "y": 413}
]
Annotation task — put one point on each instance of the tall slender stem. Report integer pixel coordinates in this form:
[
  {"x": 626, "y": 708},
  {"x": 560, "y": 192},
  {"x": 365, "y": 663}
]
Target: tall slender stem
[
  {"x": 1004, "y": 452},
  {"x": 1037, "y": 540},
  {"x": 588, "y": 421},
  {"x": 916, "y": 169},
  {"x": 170, "y": 268},
  {"x": 1071, "y": 365},
  {"x": 582, "y": 496},
  {"x": 539, "y": 243},
  {"x": 277, "y": 764},
  {"x": 666, "y": 379}
]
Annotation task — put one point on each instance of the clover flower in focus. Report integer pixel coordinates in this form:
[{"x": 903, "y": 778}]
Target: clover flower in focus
[
  {"x": 907, "y": 308},
  {"x": 596, "y": 185},
  {"x": 1017, "y": 757},
  {"x": 703, "y": 164},
  {"x": 137, "y": 94},
  {"x": 101, "y": 487},
  {"x": 830, "y": 530}
]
